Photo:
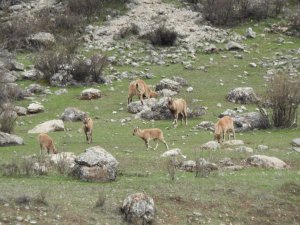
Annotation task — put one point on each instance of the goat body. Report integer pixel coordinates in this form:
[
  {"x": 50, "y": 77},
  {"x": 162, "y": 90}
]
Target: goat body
[
  {"x": 178, "y": 106},
  {"x": 223, "y": 126},
  {"x": 150, "y": 134},
  {"x": 47, "y": 143},
  {"x": 141, "y": 89},
  {"x": 88, "y": 128}
]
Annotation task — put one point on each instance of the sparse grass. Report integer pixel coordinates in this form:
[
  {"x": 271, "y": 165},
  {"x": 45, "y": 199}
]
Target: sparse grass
[{"x": 250, "y": 196}]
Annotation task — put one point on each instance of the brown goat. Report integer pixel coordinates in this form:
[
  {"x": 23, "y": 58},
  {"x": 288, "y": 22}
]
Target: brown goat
[
  {"x": 223, "y": 126},
  {"x": 141, "y": 89},
  {"x": 178, "y": 106},
  {"x": 88, "y": 128},
  {"x": 150, "y": 134},
  {"x": 46, "y": 143}
]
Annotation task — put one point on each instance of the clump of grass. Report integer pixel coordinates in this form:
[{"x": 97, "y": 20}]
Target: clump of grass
[
  {"x": 100, "y": 200},
  {"x": 40, "y": 199},
  {"x": 171, "y": 168},
  {"x": 291, "y": 188},
  {"x": 63, "y": 166},
  {"x": 23, "y": 200}
]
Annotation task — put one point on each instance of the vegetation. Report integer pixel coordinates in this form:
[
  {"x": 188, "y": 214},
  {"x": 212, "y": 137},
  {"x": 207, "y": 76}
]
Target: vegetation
[{"x": 250, "y": 196}]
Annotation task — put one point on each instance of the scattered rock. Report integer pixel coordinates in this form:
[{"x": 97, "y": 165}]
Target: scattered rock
[
  {"x": 61, "y": 91},
  {"x": 266, "y": 162},
  {"x": 233, "y": 142},
  {"x": 90, "y": 93},
  {"x": 226, "y": 162},
  {"x": 190, "y": 89},
  {"x": 228, "y": 112},
  {"x": 211, "y": 49},
  {"x": 242, "y": 95},
  {"x": 35, "y": 107},
  {"x": 72, "y": 114},
  {"x": 168, "y": 84},
  {"x": 15, "y": 65},
  {"x": 41, "y": 40},
  {"x": 250, "y": 121},
  {"x": 189, "y": 166},
  {"x": 10, "y": 139},
  {"x": 183, "y": 82},
  {"x": 138, "y": 208},
  {"x": 36, "y": 89},
  {"x": 211, "y": 145},
  {"x": 250, "y": 33},
  {"x": 244, "y": 149},
  {"x": 253, "y": 65},
  {"x": 206, "y": 125},
  {"x": 173, "y": 153},
  {"x": 33, "y": 74},
  {"x": 262, "y": 147},
  {"x": 167, "y": 93},
  {"x": 234, "y": 46},
  {"x": 95, "y": 164},
  {"x": 48, "y": 126}
]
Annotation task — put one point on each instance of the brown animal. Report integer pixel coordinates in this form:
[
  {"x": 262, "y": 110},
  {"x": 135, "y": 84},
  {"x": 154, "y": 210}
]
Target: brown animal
[
  {"x": 46, "y": 143},
  {"x": 150, "y": 134},
  {"x": 222, "y": 127},
  {"x": 88, "y": 128},
  {"x": 178, "y": 106},
  {"x": 141, "y": 89}
]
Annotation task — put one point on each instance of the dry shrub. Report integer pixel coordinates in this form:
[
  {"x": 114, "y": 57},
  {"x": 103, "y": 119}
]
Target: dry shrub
[
  {"x": 295, "y": 20},
  {"x": 8, "y": 118},
  {"x": 51, "y": 61},
  {"x": 85, "y": 8},
  {"x": 100, "y": 200},
  {"x": 90, "y": 70},
  {"x": 228, "y": 12},
  {"x": 124, "y": 32},
  {"x": 63, "y": 166},
  {"x": 171, "y": 168},
  {"x": 162, "y": 36},
  {"x": 14, "y": 33},
  {"x": 23, "y": 200},
  {"x": 283, "y": 96},
  {"x": 40, "y": 199}
]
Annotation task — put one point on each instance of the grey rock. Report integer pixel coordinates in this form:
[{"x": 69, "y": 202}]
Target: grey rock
[
  {"x": 61, "y": 79},
  {"x": 168, "y": 84},
  {"x": 226, "y": 162},
  {"x": 183, "y": 82},
  {"x": 173, "y": 153},
  {"x": 234, "y": 46},
  {"x": 266, "y": 162},
  {"x": 211, "y": 145},
  {"x": 228, "y": 112},
  {"x": 10, "y": 139},
  {"x": 90, "y": 93},
  {"x": 95, "y": 164},
  {"x": 206, "y": 125},
  {"x": 72, "y": 114},
  {"x": 36, "y": 89},
  {"x": 242, "y": 95},
  {"x": 250, "y": 121},
  {"x": 233, "y": 142},
  {"x": 296, "y": 142},
  {"x": 33, "y": 74},
  {"x": 189, "y": 166},
  {"x": 244, "y": 149},
  {"x": 250, "y": 33},
  {"x": 48, "y": 126},
  {"x": 41, "y": 39},
  {"x": 35, "y": 107},
  {"x": 138, "y": 208},
  {"x": 167, "y": 93},
  {"x": 16, "y": 65},
  {"x": 21, "y": 111}
]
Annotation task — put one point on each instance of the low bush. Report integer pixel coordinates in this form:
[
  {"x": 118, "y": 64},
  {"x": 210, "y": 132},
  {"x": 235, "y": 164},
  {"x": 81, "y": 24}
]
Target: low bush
[
  {"x": 89, "y": 70},
  {"x": 283, "y": 97},
  {"x": 162, "y": 36},
  {"x": 85, "y": 8},
  {"x": 230, "y": 12},
  {"x": 8, "y": 118},
  {"x": 295, "y": 21}
]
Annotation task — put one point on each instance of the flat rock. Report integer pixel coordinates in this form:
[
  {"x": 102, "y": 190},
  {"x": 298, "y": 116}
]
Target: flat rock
[
  {"x": 173, "y": 153},
  {"x": 35, "y": 107},
  {"x": 72, "y": 114},
  {"x": 244, "y": 149},
  {"x": 48, "y": 126},
  {"x": 234, "y": 46},
  {"x": 266, "y": 162},
  {"x": 211, "y": 145},
  {"x": 10, "y": 139},
  {"x": 90, "y": 93}
]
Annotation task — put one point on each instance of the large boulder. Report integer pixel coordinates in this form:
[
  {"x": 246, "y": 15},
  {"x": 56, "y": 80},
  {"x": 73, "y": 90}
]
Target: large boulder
[
  {"x": 41, "y": 40},
  {"x": 242, "y": 95},
  {"x": 250, "y": 121},
  {"x": 138, "y": 208},
  {"x": 90, "y": 93},
  {"x": 10, "y": 139},
  {"x": 35, "y": 107},
  {"x": 168, "y": 84},
  {"x": 266, "y": 162},
  {"x": 72, "y": 114},
  {"x": 48, "y": 126},
  {"x": 95, "y": 164}
]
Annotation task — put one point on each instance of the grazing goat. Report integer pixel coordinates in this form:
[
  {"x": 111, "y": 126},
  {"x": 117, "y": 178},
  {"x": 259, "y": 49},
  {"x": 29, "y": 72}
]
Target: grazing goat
[
  {"x": 150, "y": 134},
  {"x": 88, "y": 128},
  {"x": 46, "y": 143},
  {"x": 178, "y": 106},
  {"x": 223, "y": 126},
  {"x": 141, "y": 89}
]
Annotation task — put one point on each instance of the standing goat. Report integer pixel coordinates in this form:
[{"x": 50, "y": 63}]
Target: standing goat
[
  {"x": 46, "y": 143},
  {"x": 150, "y": 134},
  {"x": 88, "y": 128},
  {"x": 141, "y": 89},
  {"x": 178, "y": 106},
  {"x": 223, "y": 126}
]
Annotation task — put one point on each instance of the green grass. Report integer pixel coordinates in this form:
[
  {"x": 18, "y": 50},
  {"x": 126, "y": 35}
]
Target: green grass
[{"x": 249, "y": 196}]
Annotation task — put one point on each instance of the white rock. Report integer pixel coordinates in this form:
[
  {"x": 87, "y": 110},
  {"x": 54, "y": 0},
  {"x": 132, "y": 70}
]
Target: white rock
[
  {"x": 266, "y": 162},
  {"x": 173, "y": 152},
  {"x": 48, "y": 126},
  {"x": 211, "y": 145},
  {"x": 35, "y": 107}
]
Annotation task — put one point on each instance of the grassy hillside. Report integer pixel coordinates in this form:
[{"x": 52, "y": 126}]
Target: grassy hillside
[{"x": 249, "y": 196}]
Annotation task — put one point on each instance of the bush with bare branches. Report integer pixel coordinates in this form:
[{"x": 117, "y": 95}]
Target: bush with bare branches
[{"x": 283, "y": 97}]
